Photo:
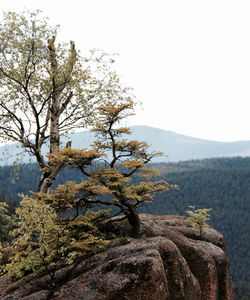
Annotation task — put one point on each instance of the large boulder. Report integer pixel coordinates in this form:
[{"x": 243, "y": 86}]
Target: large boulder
[{"x": 170, "y": 261}]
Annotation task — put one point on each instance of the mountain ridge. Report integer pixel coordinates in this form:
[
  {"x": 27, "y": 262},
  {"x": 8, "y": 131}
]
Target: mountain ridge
[{"x": 176, "y": 147}]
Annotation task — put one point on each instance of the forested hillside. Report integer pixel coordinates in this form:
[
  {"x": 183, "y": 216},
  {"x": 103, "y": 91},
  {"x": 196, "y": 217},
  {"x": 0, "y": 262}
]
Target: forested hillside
[
  {"x": 224, "y": 186},
  {"x": 221, "y": 184}
]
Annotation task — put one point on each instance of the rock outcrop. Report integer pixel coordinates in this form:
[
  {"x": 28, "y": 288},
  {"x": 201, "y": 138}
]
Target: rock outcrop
[{"x": 171, "y": 261}]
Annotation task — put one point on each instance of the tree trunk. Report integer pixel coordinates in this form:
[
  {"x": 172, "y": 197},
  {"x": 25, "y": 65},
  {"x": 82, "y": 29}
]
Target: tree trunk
[
  {"x": 48, "y": 178},
  {"x": 50, "y": 174},
  {"x": 56, "y": 109},
  {"x": 130, "y": 212},
  {"x": 54, "y": 133},
  {"x": 134, "y": 221}
]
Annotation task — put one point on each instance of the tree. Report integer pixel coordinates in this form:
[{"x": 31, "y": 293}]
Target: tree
[
  {"x": 42, "y": 240},
  {"x": 46, "y": 89},
  {"x": 119, "y": 160},
  {"x": 199, "y": 217}
]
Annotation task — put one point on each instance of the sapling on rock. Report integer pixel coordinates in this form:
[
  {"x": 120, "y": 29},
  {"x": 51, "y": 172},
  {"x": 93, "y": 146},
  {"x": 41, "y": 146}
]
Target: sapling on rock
[{"x": 199, "y": 217}]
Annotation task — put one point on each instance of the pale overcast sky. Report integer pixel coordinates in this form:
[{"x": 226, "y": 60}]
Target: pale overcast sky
[{"x": 187, "y": 60}]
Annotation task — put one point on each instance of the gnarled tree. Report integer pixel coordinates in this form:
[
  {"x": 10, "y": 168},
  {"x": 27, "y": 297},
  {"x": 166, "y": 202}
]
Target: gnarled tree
[{"x": 111, "y": 173}]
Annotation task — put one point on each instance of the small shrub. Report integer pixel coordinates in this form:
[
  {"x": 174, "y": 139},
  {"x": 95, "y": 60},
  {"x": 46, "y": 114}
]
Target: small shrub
[
  {"x": 199, "y": 217},
  {"x": 42, "y": 240}
]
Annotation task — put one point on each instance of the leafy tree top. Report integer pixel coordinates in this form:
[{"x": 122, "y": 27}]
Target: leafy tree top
[
  {"x": 46, "y": 88},
  {"x": 199, "y": 217}
]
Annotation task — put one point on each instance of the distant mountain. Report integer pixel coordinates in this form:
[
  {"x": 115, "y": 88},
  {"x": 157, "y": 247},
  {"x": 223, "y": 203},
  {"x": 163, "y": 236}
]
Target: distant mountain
[
  {"x": 180, "y": 147},
  {"x": 176, "y": 146}
]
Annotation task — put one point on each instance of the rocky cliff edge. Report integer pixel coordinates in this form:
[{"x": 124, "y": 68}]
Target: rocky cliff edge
[{"x": 171, "y": 261}]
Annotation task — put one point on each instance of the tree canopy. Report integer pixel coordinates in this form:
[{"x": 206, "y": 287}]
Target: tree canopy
[
  {"x": 46, "y": 88},
  {"x": 114, "y": 159}
]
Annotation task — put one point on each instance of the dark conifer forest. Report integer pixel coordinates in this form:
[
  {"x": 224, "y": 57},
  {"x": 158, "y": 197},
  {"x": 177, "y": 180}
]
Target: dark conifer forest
[{"x": 222, "y": 184}]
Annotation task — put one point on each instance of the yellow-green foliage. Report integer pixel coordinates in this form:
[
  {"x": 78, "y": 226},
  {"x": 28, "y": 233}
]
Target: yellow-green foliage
[
  {"x": 72, "y": 195},
  {"x": 1, "y": 257},
  {"x": 114, "y": 161},
  {"x": 69, "y": 156},
  {"x": 43, "y": 240},
  {"x": 5, "y": 222},
  {"x": 199, "y": 217}
]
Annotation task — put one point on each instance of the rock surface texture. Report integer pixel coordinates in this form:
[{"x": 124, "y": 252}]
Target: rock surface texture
[{"x": 170, "y": 262}]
